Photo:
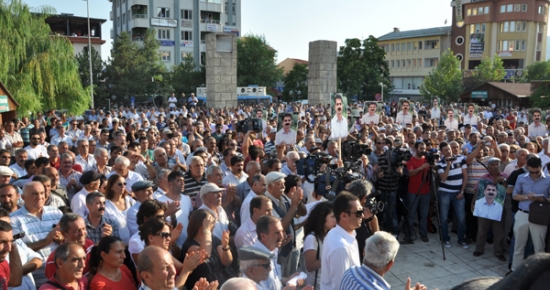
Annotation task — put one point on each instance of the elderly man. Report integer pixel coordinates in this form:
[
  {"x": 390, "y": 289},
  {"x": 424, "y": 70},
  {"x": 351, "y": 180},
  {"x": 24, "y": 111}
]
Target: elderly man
[
  {"x": 226, "y": 163},
  {"x": 37, "y": 220},
  {"x": 90, "y": 181},
  {"x": 84, "y": 159},
  {"x": 290, "y": 167},
  {"x": 121, "y": 168},
  {"x": 101, "y": 157},
  {"x": 162, "y": 182},
  {"x": 51, "y": 199},
  {"x": 35, "y": 150},
  {"x": 57, "y": 188},
  {"x": 156, "y": 269},
  {"x": 258, "y": 207},
  {"x": 252, "y": 263},
  {"x": 73, "y": 228},
  {"x": 69, "y": 260},
  {"x": 211, "y": 196},
  {"x": 195, "y": 177},
  {"x": 19, "y": 166},
  {"x": 258, "y": 188},
  {"x": 179, "y": 204},
  {"x": 162, "y": 161},
  {"x": 68, "y": 177},
  {"x": 97, "y": 225},
  {"x": 14, "y": 137},
  {"x": 143, "y": 190},
  {"x": 381, "y": 250}
]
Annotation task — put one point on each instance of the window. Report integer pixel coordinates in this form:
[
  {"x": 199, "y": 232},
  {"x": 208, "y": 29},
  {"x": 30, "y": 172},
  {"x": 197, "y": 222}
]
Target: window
[
  {"x": 163, "y": 34},
  {"x": 523, "y": 45},
  {"x": 186, "y": 35},
  {"x": 473, "y": 28},
  {"x": 163, "y": 12},
  {"x": 403, "y": 46},
  {"x": 186, "y": 14},
  {"x": 392, "y": 63},
  {"x": 505, "y": 45},
  {"x": 392, "y": 47},
  {"x": 511, "y": 47},
  {"x": 502, "y": 8},
  {"x": 432, "y": 44},
  {"x": 459, "y": 40},
  {"x": 414, "y": 62},
  {"x": 123, "y": 17},
  {"x": 409, "y": 63},
  {"x": 409, "y": 47},
  {"x": 398, "y": 46},
  {"x": 486, "y": 9},
  {"x": 506, "y": 24},
  {"x": 474, "y": 13},
  {"x": 398, "y": 63},
  {"x": 164, "y": 55},
  {"x": 542, "y": 10},
  {"x": 524, "y": 26},
  {"x": 517, "y": 7},
  {"x": 512, "y": 26},
  {"x": 510, "y": 8},
  {"x": 518, "y": 45},
  {"x": 518, "y": 26},
  {"x": 468, "y": 12},
  {"x": 480, "y": 10},
  {"x": 403, "y": 63},
  {"x": 420, "y": 45},
  {"x": 419, "y": 62},
  {"x": 523, "y": 7}
]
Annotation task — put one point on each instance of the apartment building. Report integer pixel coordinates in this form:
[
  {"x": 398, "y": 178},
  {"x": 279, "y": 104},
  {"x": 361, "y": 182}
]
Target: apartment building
[{"x": 75, "y": 29}]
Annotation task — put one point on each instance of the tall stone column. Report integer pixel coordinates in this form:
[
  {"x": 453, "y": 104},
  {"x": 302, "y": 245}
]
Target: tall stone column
[
  {"x": 221, "y": 70},
  {"x": 322, "y": 71}
]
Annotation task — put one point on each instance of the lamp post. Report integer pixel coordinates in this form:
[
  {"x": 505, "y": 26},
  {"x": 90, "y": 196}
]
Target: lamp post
[
  {"x": 90, "y": 52},
  {"x": 382, "y": 95},
  {"x": 298, "y": 93}
]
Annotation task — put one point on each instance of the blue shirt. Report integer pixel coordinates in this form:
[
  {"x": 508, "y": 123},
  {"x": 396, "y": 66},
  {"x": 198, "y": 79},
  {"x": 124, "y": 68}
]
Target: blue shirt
[
  {"x": 362, "y": 277},
  {"x": 525, "y": 185}
]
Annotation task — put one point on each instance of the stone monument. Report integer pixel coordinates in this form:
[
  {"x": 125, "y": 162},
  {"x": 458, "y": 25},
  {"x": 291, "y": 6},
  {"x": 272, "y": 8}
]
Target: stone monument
[
  {"x": 221, "y": 70},
  {"x": 322, "y": 71}
]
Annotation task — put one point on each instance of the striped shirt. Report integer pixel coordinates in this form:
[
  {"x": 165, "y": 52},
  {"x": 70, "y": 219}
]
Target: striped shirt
[
  {"x": 362, "y": 277},
  {"x": 475, "y": 171},
  {"x": 65, "y": 181},
  {"x": 455, "y": 178}
]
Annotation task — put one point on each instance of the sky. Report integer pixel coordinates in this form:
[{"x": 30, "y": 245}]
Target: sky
[{"x": 289, "y": 25}]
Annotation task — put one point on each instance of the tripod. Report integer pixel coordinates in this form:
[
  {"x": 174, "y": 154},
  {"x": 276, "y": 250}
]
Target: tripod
[{"x": 432, "y": 173}]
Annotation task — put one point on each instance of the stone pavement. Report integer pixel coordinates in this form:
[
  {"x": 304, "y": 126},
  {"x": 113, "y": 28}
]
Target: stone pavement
[{"x": 424, "y": 263}]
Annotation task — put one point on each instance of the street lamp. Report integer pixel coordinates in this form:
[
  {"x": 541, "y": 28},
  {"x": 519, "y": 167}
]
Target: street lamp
[
  {"x": 298, "y": 93},
  {"x": 382, "y": 96},
  {"x": 90, "y": 52}
]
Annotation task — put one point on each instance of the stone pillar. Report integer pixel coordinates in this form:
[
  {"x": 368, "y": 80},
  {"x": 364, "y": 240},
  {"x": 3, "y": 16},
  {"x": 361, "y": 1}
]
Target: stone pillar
[
  {"x": 322, "y": 71},
  {"x": 221, "y": 70}
]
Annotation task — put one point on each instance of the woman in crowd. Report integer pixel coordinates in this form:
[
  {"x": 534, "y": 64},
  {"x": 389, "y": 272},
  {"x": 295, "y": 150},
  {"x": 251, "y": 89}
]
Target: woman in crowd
[
  {"x": 148, "y": 209},
  {"x": 200, "y": 238},
  {"x": 107, "y": 266},
  {"x": 117, "y": 203},
  {"x": 157, "y": 231},
  {"x": 315, "y": 230}
]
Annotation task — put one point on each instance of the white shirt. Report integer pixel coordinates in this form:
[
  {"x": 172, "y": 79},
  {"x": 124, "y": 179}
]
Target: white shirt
[
  {"x": 339, "y": 128},
  {"x": 246, "y": 234},
  {"x": 310, "y": 243},
  {"x": 275, "y": 275},
  {"x": 18, "y": 170},
  {"x": 511, "y": 167},
  {"x": 472, "y": 120},
  {"x": 78, "y": 203},
  {"x": 182, "y": 215},
  {"x": 340, "y": 252},
  {"x": 4, "y": 142},
  {"x": 26, "y": 254},
  {"x": 288, "y": 138},
  {"x": 451, "y": 124},
  {"x": 38, "y": 151},
  {"x": 368, "y": 119},
  {"x": 74, "y": 134},
  {"x": 484, "y": 210},
  {"x": 131, "y": 218},
  {"x": 403, "y": 119},
  {"x": 539, "y": 130},
  {"x": 435, "y": 113},
  {"x": 245, "y": 206},
  {"x": 222, "y": 222},
  {"x": 135, "y": 245},
  {"x": 87, "y": 164},
  {"x": 113, "y": 213},
  {"x": 232, "y": 179},
  {"x": 56, "y": 139}
]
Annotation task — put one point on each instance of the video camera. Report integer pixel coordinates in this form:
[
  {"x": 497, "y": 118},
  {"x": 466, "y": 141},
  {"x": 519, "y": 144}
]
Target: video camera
[
  {"x": 432, "y": 156},
  {"x": 353, "y": 150},
  {"x": 374, "y": 206},
  {"x": 332, "y": 182},
  {"x": 250, "y": 124},
  {"x": 311, "y": 164},
  {"x": 401, "y": 154}
]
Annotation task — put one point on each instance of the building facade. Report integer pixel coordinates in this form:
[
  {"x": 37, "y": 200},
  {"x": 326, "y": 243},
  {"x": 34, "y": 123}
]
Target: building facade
[
  {"x": 411, "y": 55},
  {"x": 75, "y": 29},
  {"x": 515, "y": 30},
  {"x": 180, "y": 25}
]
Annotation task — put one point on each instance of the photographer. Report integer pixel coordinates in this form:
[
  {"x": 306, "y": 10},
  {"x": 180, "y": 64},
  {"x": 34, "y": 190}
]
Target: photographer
[
  {"x": 454, "y": 177},
  {"x": 418, "y": 197}
]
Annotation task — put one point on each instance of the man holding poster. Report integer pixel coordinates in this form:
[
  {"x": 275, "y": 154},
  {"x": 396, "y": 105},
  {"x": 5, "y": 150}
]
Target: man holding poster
[{"x": 339, "y": 123}]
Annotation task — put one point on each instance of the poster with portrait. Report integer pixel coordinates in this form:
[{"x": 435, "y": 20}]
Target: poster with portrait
[
  {"x": 477, "y": 43},
  {"x": 435, "y": 108},
  {"x": 287, "y": 123},
  {"x": 489, "y": 200},
  {"x": 404, "y": 112},
  {"x": 532, "y": 115},
  {"x": 471, "y": 113},
  {"x": 452, "y": 118},
  {"x": 339, "y": 123},
  {"x": 371, "y": 114}
]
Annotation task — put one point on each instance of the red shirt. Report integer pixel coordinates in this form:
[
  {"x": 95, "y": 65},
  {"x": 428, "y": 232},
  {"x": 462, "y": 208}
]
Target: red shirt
[
  {"x": 100, "y": 282},
  {"x": 82, "y": 284},
  {"x": 4, "y": 274},
  {"x": 416, "y": 181},
  {"x": 50, "y": 262}
]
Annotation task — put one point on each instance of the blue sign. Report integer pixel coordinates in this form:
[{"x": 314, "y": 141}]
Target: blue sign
[
  {"x": 167, "y": 43},
  {"x": 280, "y": 89},
  {"x": 133, "y": 101}
]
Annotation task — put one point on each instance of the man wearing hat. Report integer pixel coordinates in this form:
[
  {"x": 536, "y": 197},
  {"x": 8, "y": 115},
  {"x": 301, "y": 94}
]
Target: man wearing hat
[
  {"x": 255, "y": 264},
  {"x": 90, "y": 182},
  {"x": 211, "y": 196},
  {"x": 143, "y": 190}
]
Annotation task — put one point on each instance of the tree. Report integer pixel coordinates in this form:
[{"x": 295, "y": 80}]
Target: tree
[
  {"x": 537, "y": 71},
  {"x": 444, "y": 81},
  {"x": 361, "y": 68},
  {"x": 256, "y": 62},
  {"x": 39, "y": 69},
  {"x": 296, "y": 80},
  {"x": 540, "y": 97},
  {"x": 490, "y": 70},
  {"x": 98, "y": 67},
  {"x": 185, "y": 79}
]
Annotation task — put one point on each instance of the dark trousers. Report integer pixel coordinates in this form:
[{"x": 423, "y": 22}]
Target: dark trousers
[{"x": 483, "y": 226}]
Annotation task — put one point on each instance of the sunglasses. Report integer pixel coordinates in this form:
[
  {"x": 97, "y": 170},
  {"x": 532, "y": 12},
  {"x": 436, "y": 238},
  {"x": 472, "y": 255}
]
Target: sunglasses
[
  {"x": 379, "y": 143},
  {"x": 534, "y": 173},
  {"x": 164, "y": 235},
  {"x": 359, "y": 213},
  {"x": 121, "y": 184}
]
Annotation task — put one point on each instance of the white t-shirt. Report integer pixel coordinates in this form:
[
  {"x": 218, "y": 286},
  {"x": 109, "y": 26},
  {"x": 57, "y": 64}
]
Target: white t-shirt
[
  {"x": 310, "y": 244},
  {"x": 182, "y": 216}
]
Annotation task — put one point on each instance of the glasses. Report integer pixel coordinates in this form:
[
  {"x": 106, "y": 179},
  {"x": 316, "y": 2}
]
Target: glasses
[
  {"x": 35, "y": 138},
  {"x": 232, "y": 144},
  {"x": 513, "y": 152},
  {"x": 164, "y": 235},
  {"x": 121, "y": 184},
  {"x": 379, "y": 143},
  {"x": 159, "y": 216},
  {"x": 534, "y": 173},
  {"x": 265, "y": 266},
  {"x": 359, "y": 213}
]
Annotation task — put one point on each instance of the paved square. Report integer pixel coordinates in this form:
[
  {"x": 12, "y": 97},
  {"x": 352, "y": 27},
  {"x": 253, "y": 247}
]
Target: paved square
[{"x": 424, "y": 263}]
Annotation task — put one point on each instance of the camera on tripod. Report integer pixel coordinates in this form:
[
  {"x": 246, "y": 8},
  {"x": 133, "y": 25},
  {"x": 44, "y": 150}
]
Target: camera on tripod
[
  {"x": 401, "y": 154},
  {"x": 250, "y": 124},
  {"x": 432, "y": 156},
  {"x": 353, "y": 150},
  {"x": 332, "y": 182}
]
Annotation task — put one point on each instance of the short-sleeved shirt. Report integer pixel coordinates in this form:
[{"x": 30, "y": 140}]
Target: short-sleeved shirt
[
  {"x": 52, "y": 284},
  {"x": 50, "y": 262},
  {"x": 126, "y": 282},
  {"x": 454, "y": 181},
  {"x": 4, "y": 274},
  {"x": 525, "y": 185}
]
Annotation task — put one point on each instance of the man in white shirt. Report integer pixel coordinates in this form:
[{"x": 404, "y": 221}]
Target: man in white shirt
[
  {"x": 470, "y": 117},
  {"x": 371, "y": 118},
  {"x": 61, "y": 136},
  {"x": 258, "y": 188},
  {"x": 19, "y": 166},
  {"x": 258, "y": 207},
  {"x": 340, "y": 248},
  {"x": 286, "y": 134},
  {"x": 451, "y": 122},
  {"x": 35, "y": 150},
  {"x": 84, "y": 158},
  {"x": 339, "y": 124},
  {"x": 74, "y": 133},
  {"x": 211, "y": 196},
  {"x": 174, "y": 195},
  {"x": 435, "y": 111},
  {"x": 537, "y": 128},
  {"x": 236, "y": 176},
  {"x": 404, "y": 117}
]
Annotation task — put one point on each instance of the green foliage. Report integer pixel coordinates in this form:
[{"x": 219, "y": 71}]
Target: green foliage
[
  {"x": 489, "y": 70},
  {"x": 361, "y": 68},
  {"x": 296, "y": 80},
  {"x": 132, "y": 67},
  {"x": 537, "y": 71},
  {"x": 39, "y": 69},
  {"x": 256, "y": 62},
  {"x": 444, "y": 81},
  {"x": 185, "y": 79},
  {"x": 97, "y": 71}
]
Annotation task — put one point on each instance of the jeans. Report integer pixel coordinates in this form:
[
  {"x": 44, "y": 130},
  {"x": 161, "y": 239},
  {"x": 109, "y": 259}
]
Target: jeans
[
  {"x": 420, "y": 202},
  {"x": 446, "y": 199},
  {"x": 391, "y": 223}
]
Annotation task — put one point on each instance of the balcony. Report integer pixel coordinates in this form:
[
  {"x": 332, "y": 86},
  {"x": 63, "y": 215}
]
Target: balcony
[
  {"x": 139, "y": 20},
  {"x": 138, "y": 2}
]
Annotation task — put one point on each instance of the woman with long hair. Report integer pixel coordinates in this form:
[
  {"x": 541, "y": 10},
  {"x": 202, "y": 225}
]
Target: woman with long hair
[
  {"x": 200, "y": 238},
  {"x": 316, "y": 228},
  {"x": 117, "y": 203},
  {"x": 107, "y": 266}
]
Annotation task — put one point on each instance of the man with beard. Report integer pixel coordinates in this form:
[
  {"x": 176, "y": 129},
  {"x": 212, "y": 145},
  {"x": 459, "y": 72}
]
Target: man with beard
[
  {"x": 11, "y": 274},
  {"x": 286, "y": 134},
  {"x": 9, "y": 197},
  {"x": 35, "y": 150},
  {"x": 97, "y": 225},
  {"x": 339, "y": 123}
]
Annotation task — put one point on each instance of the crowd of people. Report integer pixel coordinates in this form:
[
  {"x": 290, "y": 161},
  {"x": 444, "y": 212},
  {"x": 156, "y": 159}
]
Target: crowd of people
[{"x": 182, "y": 198}]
